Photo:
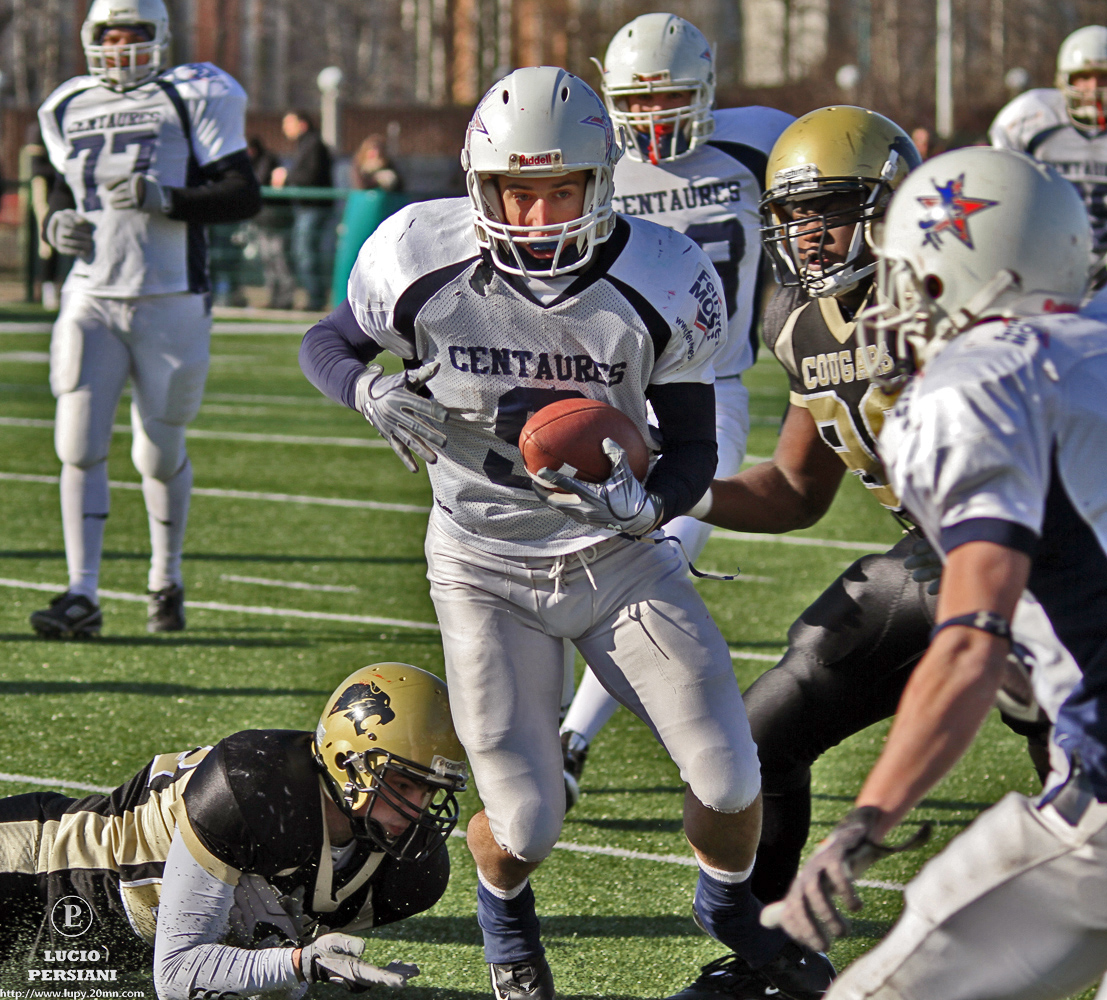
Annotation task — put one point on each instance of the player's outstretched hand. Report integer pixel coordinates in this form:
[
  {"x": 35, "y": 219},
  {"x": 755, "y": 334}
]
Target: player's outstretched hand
[
  {"x": 926, "y": 565},
  {"x": 807, "y": 912},
  {"x": 336, "y": 958},
  {"x": 621, "y": 503},
  {"x": 136, "y": 192},
  {"x": 69, "y": 232},
  {"x": 407, "y": 421}
]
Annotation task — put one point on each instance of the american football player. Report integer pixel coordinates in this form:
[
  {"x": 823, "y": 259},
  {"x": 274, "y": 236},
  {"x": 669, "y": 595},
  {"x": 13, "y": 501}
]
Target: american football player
[
  {"x": 830, "y": 177},
  {"x": 147, "y": 154},
  {"x": 996, "y": 454},
  {"x": 700, "y": 172},
  {"x": 1066, "y": 126},
  {"x": 247, "y": 867},
  {"x": 531, "y": 291}
]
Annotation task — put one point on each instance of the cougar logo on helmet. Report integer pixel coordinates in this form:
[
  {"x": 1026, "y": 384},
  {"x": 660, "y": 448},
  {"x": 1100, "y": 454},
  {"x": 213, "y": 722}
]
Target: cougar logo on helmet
[
  {"x": 361, "y": 702},
  {"x": 949, "y": 212}
]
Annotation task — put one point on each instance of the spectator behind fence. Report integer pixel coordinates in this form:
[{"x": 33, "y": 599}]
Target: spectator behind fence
[
  {"x": 310, "y": 167},
  {"x": 270, "y": 227},
  {"x": 372, "y": 169}
]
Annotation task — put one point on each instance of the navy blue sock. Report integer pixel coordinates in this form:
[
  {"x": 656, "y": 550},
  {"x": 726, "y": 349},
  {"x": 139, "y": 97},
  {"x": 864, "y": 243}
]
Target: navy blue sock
[
  {"x": 730, "y": 913},
  {"x": 510, "y": 926}
]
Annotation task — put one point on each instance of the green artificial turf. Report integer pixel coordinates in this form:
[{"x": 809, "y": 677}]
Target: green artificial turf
[{"x": 95, "y": 712}]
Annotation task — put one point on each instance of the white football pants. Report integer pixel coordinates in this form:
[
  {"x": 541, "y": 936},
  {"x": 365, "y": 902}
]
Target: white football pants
[
  {"x": 592, "y": 707},
  {"x": 160, "y": 343},
  {"x": 631, "y": 611},
  {"x": 1014, "y": 908}
]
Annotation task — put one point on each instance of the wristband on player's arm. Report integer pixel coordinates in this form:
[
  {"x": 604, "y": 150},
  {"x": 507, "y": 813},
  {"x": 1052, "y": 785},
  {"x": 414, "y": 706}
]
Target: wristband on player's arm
[{"x": 985, "y": 621}]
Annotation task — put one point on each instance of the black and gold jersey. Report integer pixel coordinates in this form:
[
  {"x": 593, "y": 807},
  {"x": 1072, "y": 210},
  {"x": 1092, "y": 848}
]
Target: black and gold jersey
[
  {"x": 253, "y": 803},
  {"x": 828, "y": 374}
]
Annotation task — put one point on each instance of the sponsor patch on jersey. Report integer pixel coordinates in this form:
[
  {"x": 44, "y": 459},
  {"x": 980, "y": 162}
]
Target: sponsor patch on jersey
[
  {"x": 709, "y": 310},
  {"x": 949, "y": 212}
]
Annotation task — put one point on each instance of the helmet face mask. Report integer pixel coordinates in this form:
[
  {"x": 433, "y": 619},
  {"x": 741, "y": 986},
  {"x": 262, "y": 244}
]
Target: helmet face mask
[
  {"x": 847, "y": 161},
  {"x": 964, "y": 241},
  {"x": 385, "y": 735},
  {"x": 652, "y": 55},
  {"x": 540, "y": 122},
  {"x": 1082, "y": 78},
  {"x": 124, "y": 67}
]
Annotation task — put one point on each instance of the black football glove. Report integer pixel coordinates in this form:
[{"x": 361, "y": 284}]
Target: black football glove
[
  {"x": 408, "y": 422},
  {"x": 807, "y": 913},
  {"x": 926, "y": 565},
  {"x": 621, "y": 503},
  {"x": 336, "y": 958}
]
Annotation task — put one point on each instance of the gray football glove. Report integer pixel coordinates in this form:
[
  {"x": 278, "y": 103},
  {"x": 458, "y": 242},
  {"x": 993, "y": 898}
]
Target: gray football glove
[
  {"x": 263, "y": 916},
  {"x": 336, "y": 958},
  {"x": 807, "y": 913},
  {"x": 621, "y": 503},
  {"x": 137, "y": 192},
  {"x": 408, "y": 422},
  {"x": 927, "y": 565},
  {"x": 70, "y": 232}
]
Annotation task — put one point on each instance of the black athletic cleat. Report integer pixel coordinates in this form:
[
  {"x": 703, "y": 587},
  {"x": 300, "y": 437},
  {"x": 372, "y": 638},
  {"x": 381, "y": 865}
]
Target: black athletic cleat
[
  {"x": 797, "y": 973},
  {"x": 530, "y": 979},
  {"x": 70, "y": 616},
  {"x": 165, "y": 609},
  {"x": 574, "y": 752}
]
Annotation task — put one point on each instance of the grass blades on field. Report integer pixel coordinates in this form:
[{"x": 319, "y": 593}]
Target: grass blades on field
[{"x": 95, "y": 712}]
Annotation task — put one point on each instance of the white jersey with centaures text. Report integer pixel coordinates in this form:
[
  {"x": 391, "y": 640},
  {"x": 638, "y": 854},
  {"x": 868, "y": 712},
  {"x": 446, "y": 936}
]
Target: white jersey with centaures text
[
  {"x": 185, "y": 118},
  {"x": 711, "y": 194},
  {"x": 1037, "y": 123},
  {"x": 649, "y": 310}
]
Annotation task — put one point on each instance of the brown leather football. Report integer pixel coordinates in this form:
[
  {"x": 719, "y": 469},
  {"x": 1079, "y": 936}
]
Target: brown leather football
[{"x": 568, "y": 436}]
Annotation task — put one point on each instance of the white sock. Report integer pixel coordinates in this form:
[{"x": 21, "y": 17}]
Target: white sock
[
  {"x": 502, "y": 893},
  {"x": 729, "y": 878},
  {"x": 591, "y": 709},
  {"x": 167, "y": 508},
  {"x": 85, "y": 504}
]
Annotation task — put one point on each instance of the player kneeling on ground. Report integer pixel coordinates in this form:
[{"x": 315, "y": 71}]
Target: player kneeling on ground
[
  {"x": 997, "y": 453},
  {"x": 247, "y": 865},
  {"x": 531, "y": 292},
  {"x": 147, "y": 155}
]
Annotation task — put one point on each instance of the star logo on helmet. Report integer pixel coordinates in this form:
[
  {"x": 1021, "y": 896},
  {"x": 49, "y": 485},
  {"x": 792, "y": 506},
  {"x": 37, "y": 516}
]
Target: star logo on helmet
[
  {"x": 948, "y": 212},
  {"x": 602, "y": 122}
]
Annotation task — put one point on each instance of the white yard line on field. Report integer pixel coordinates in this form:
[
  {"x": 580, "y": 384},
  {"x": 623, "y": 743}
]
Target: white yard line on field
[
  {"x": 327, "y": 588},
  {"x": 565, "y": 845},
  {"x": 222, "y": 328}
]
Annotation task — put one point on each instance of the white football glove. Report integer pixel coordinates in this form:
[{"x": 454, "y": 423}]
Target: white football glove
[
  {"x": 137, "y": 192},
  {"x": 70, "y": 232},
  {"x": 621, "y": 503},
  {"x": 408, "y": 422},
  {"x": 336, "y": 958}
]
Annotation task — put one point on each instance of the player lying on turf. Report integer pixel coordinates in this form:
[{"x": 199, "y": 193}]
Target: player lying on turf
[
  {"x": 701, "y": 172},
  {"x": 997, "y": 453},
  {"x": 146, "y": 156},
  {"x": 530, "y": 292},
  {"x": 830, "y": 178},
  {"x": 247, "y": 865}
]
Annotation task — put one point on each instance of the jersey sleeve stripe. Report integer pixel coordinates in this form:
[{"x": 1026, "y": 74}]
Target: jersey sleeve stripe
[
  {"x": 754, "y": 160},
  {"x": 1009, "y": 534},
  {"x": 656, "y": 325}
]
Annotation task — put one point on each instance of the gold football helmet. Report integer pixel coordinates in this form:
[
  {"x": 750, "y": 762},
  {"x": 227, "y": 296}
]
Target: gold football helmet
[
  {"x": 384, "y": 720},
  {"x": 852, "y": 153}
]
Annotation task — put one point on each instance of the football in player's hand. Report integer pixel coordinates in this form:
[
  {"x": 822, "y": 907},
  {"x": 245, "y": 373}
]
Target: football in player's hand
[{"x": 568, "y": 436}]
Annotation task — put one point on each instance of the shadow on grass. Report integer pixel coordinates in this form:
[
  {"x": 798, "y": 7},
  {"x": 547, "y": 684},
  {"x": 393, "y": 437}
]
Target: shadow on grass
[
  {"x": 950, "y": 804},
  {"x": 633, "y": 825},
  {"x": 647, "y": 790},
  {"x": 228, "y": 557},
  {"x": 557, "y": 931},
  {"x": 153, "y": 690},
  {"x": 162, "y": 640}
]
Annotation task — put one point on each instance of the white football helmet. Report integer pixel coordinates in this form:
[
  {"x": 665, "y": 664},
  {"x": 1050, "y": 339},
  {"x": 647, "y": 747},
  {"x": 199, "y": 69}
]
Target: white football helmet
[
  {"x": 660, "y": 53},
  {"x": 974, "y": 234},
  {"x": 134, "y": 64},
  {"x": 540, "y": 121},
  {"x": 1084, "y": 51}
]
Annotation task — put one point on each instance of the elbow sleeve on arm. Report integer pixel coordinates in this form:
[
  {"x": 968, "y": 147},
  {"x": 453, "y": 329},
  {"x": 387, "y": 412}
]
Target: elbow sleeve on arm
[
  {"x": 334, "y": 353},
  {"x": 193, "y": 917},
  {"x": 686, "y": 417},
  {"x": 228, "y": 192}
]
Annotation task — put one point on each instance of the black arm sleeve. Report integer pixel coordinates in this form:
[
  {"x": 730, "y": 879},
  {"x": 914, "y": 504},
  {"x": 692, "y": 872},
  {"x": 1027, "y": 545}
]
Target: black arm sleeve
[
  {"x": 686, "y": 416},
  {"x": 228, "y": 192},
  {"x": 334, "y": 353},
  {"x": 61, "y": 197}
]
